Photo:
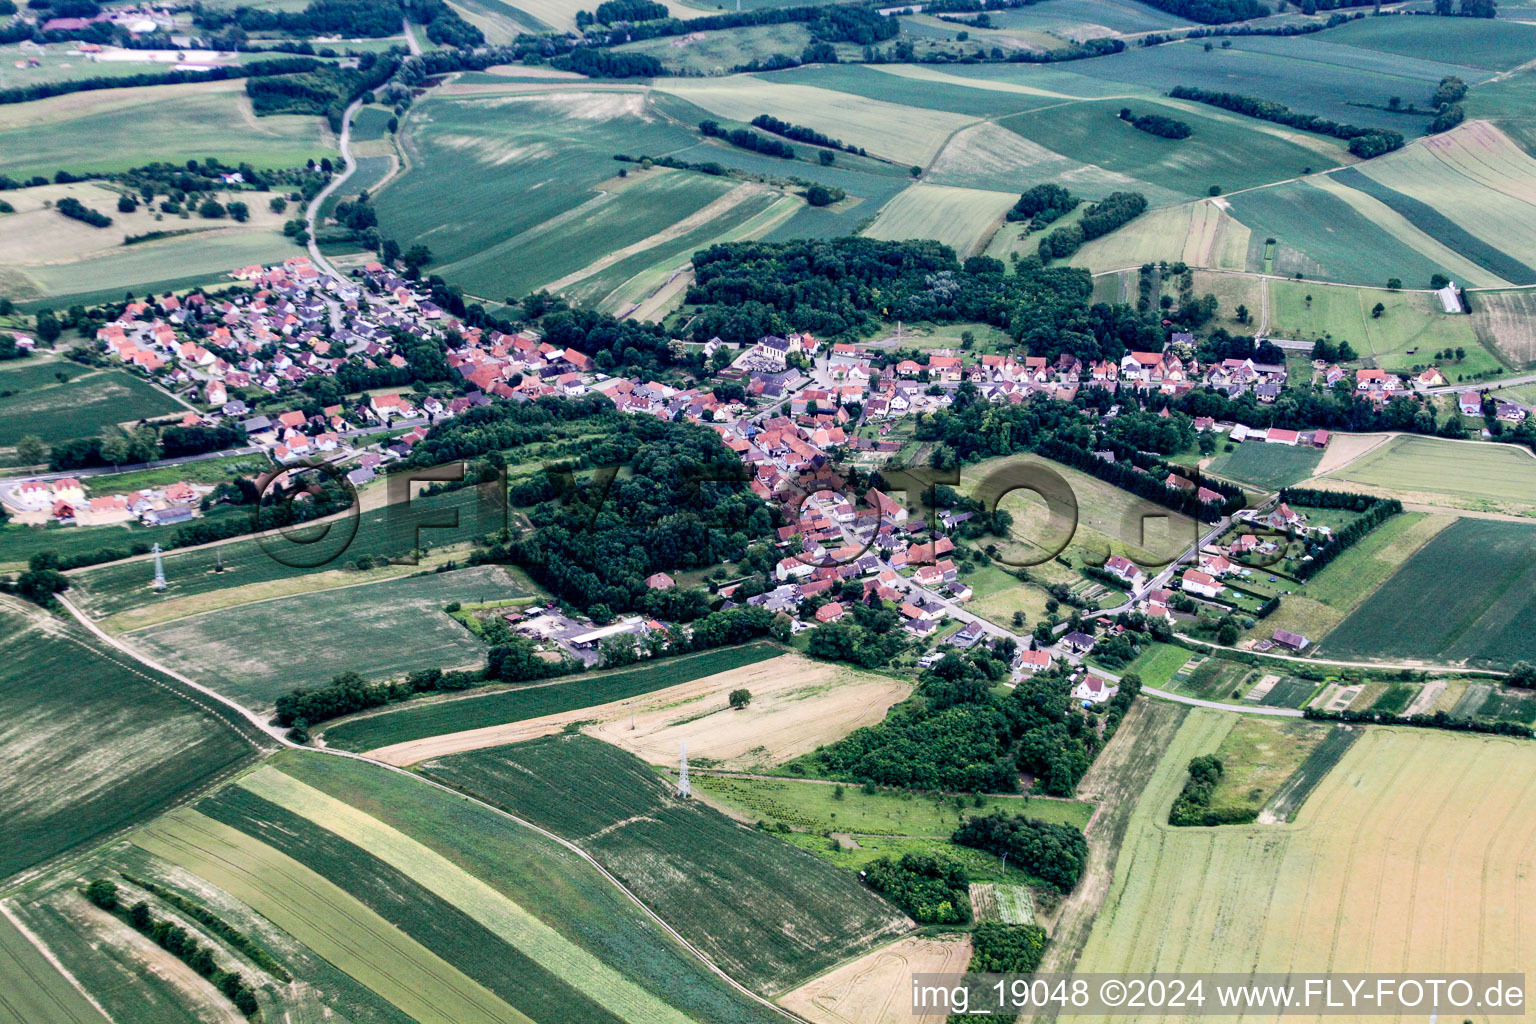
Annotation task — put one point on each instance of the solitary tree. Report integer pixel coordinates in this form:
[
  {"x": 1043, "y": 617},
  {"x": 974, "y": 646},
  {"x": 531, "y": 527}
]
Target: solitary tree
[
  {"x": 31, "y": 450},
  {"x": 1377, "y": 310},
  {"x": 1394, "y": 283},
  {"x": 740, "y": 698},
  {"x": 1242, "y": 314}
]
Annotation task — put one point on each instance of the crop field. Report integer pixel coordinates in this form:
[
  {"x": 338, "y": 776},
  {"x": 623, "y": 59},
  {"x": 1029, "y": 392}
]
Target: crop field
[
  {"x": 896, "y": 84},
  {"x": 1293, "y": 792},
  {"x": 1321, "y": 236},
  {"x": 1212, "y": 678},
  {"x": 1459, "y": 599},
  {"x": 874, "y": 988},
  {"x": 768, "y": 915},
  {"x": 905, "y": 134},
  {"x": 130, "y": 977},
  {"x": 91, "y": 741},
  {"x": 1482, "y": 477},
  {"x": 81, "y": 407},
  {"x": 34, "y": 989},
  {"x": 548, "y": 152},
  {"x": 400, "y": 728},
  {"x": 1408, "y": 831},
  {"x": 1226, "y": 151},
  {"x": 961, "y": 218},
  {"x": 546, "y": 897},
  {"x": 1461, "y": 189},
  {"x": 989, "y": 156},
  {"x": 1270, "y": 466},
  {"x": 748, "y": 212},
  {"x": 1201, "y": 234},
  {"x": 1506, "y": 322},
  {"x": 444, "y": 910},
  {"x": 255, "y": 653},
  {"x": 797, "y": 705},
  {"x": 115, "y": 129},
  {"x": 1476, "y": 42},
  {"x": 1088, "y": 19},
  {"x": 1289, "y": 692},
  {"x": 1492, "y": 702},
  {"x": 1306, "y": 73}
]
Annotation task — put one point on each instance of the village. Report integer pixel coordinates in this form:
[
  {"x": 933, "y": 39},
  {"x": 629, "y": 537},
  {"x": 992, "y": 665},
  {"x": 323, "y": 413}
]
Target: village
[{"x": 786, "y": 406}]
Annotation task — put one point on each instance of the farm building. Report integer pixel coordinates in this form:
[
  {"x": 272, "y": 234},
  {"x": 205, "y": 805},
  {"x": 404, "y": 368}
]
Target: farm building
[
  {"x": 1295, "y": 641},
  {"x": 1450, "y": 298}
]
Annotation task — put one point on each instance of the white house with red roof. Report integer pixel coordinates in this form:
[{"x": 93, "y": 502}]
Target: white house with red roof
[{"x": 1196, "y": 582}]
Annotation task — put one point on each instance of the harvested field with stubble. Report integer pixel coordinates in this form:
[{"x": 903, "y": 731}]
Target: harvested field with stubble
[
  {"x": 768, "y": 914},
  {"x": 1506, "y": 322},
  {"x": 1394, "y": 863},
  {"x": 436, "y": 729},
  {"x": 876, "y": 988},
  {"x": 797, "y": 705}
]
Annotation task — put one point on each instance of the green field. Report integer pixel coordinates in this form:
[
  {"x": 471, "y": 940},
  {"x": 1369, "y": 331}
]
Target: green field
[
  {"x": 79, "y": 408},
  {"x": 1260, "y": 756},
  {"x": 1290, "y": 896},
  {"x": 255, "y": 653},
  {"x": 1411, "y": 329},
  {"x": 1306, "y": 73},
  {"x": 1321, "y": 236},
  {"x": 1485, "y": 477},
  {"x": 414, "y": 722},
  {"x": 1461, "y": 599},
  {"x": 1226, "y": 151},
  {"x": 92, "y": 741},
  {"x": 115, "y": 129},
  {"x": 35, "y": 990},
  {"x": 308, "y": 551},
  {"x": 1086, "y": 19},
  {"x": 961, "y": 218},
  {"x": 1293, "y": 792},
  {"x": 1323, "y": 601},
  {"x": 770, "y": 916},
  {"x": 538, "y": 159},
  {"x": 1270, "y": 466},
  {"x": 1158, "y": 663},
  {"x": 1478, "y": 42}
]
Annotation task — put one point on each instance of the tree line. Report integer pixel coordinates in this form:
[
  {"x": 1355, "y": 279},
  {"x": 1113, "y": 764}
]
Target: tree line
[
  {"x": 800, "y": 133},
  {"x": 1363, "y": 142},
  {"x": 745, "y": 138},
  {"x": 1373, "y": 512},
  {"x": 255, "y": 69},
  {"x": 1113, "y": 211}
]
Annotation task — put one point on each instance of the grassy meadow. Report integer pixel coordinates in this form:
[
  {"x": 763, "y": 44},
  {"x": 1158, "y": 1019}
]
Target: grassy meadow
[
  {"x": 1475, "y": 476},
  {"x": 80, "y": 407},
  {"x": 1270, "y": 466}
]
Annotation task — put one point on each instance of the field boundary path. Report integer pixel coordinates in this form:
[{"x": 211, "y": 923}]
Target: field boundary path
[{"x": 350, "y": 165}]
